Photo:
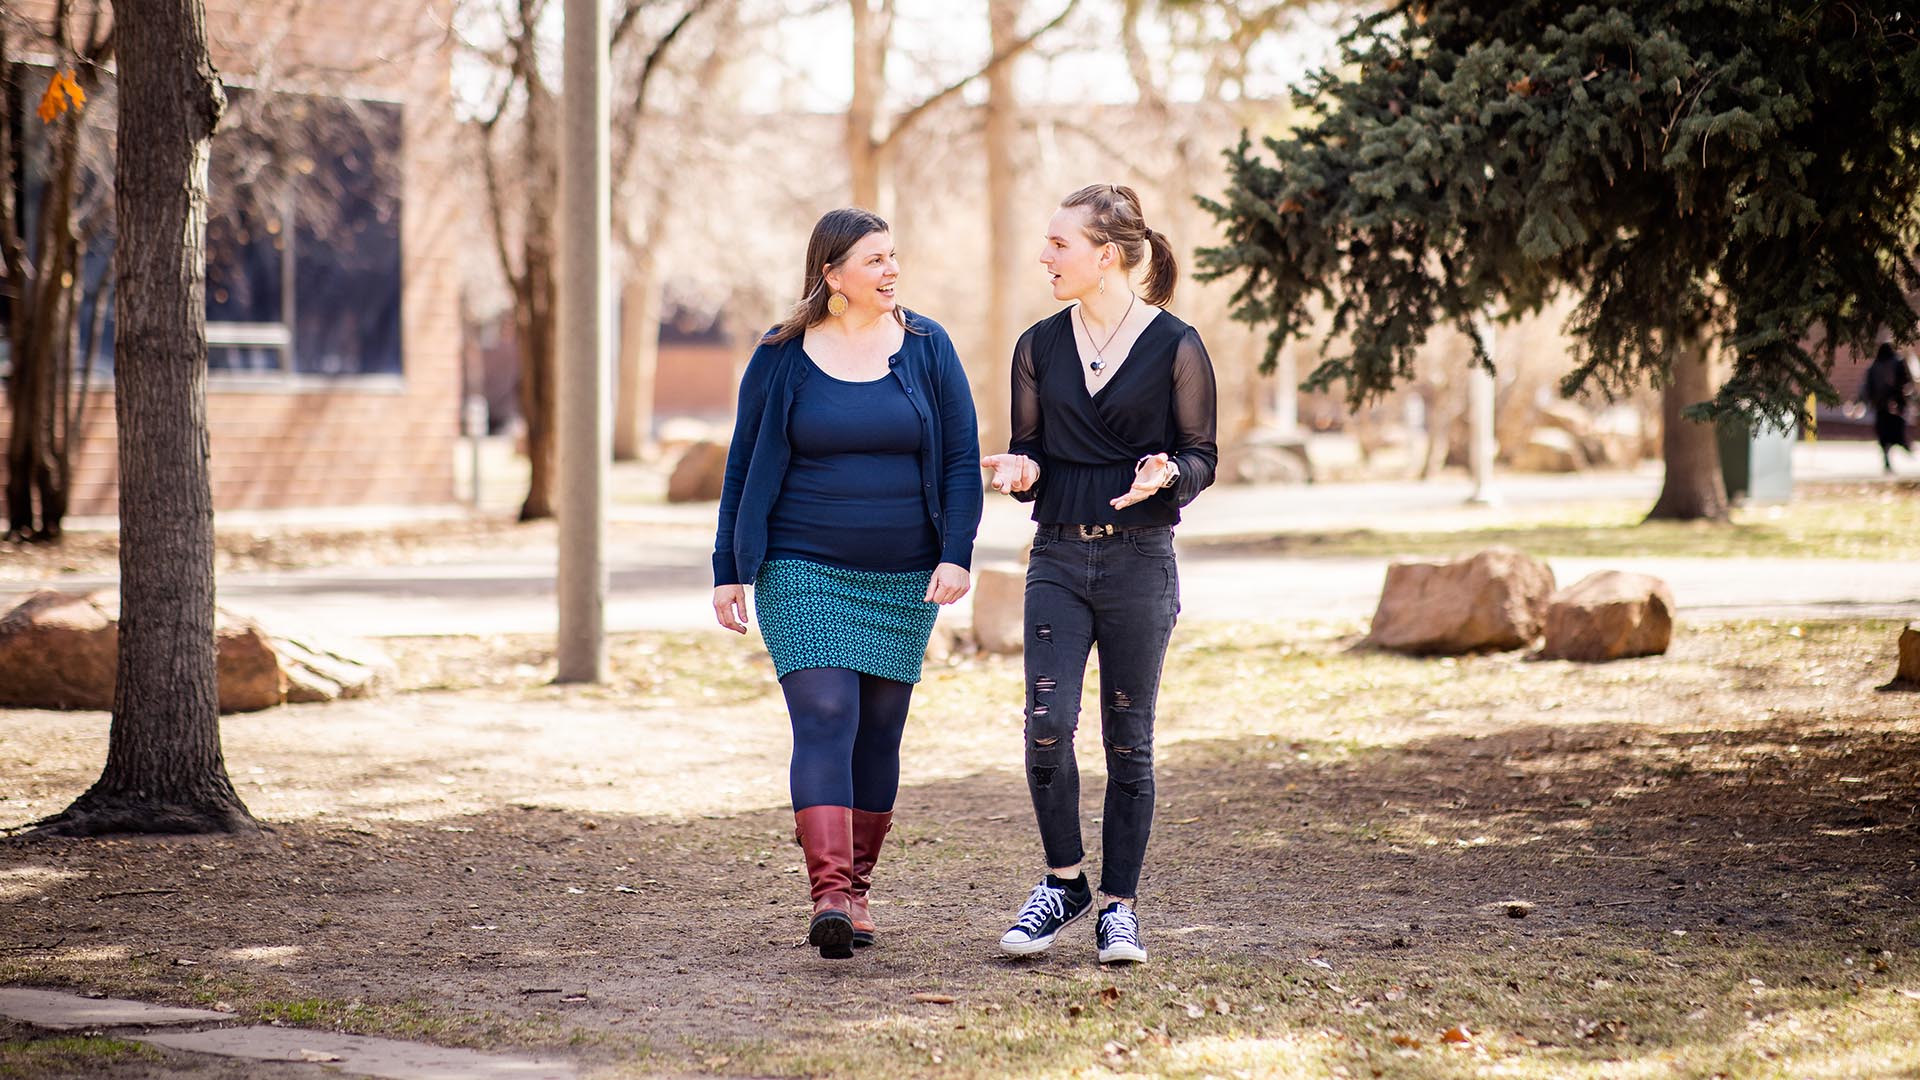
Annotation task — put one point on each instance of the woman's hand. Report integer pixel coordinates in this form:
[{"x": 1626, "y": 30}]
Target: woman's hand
[
  {"x": 1148, "y": 479},
  {"x": 1011, "y": 472},
  {"x": 730, "y": 607},
  {"x": 949, "y": 583}
]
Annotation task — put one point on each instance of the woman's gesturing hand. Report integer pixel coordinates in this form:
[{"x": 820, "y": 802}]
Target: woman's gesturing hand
[
  {"x": 730, "y": 607},
  {"x": 1148, "y": 479},
  {"x": 1011, "y": 472},
  {"x": 949, "y": 583}
]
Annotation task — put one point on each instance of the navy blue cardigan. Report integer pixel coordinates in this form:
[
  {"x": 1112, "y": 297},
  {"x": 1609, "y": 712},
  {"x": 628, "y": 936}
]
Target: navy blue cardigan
[{"x": 929, "y": 370}]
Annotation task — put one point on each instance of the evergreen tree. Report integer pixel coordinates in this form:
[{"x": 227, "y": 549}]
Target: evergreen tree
[{"x": 1730, "y": 177}]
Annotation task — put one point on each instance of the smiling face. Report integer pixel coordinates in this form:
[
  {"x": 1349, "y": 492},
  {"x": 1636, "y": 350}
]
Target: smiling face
[
  {"x": 1073, "y": 261},
  {"x": 866, "y": 275}
]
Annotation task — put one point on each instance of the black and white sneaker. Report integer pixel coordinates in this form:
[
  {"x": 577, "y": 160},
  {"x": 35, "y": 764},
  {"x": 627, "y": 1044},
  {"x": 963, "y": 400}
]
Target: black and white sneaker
[
  {"x": 1118, "y": 935},
  {"x": 1051, "y": 908}
]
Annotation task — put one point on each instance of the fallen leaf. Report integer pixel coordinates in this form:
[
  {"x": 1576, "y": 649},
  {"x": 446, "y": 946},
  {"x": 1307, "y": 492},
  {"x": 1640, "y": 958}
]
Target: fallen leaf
[
  {"x": 1220, "y": 1005},
  {"x": 1409, "y": 1043},
  {"x": 318, "y": 1055},
  {"x": 1109, "y": 995},
  {"x": 925, "y": 998},
  {"x": 1458, "y": 1033},
  {"x": 1076, "y": 1009},
  {"x": 1195, "y": 1012}
]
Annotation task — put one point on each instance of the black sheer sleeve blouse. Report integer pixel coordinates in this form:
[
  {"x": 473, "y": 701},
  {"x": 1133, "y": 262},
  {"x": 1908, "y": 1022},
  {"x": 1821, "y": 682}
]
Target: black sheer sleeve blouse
[{"x": 1160, "y": 400}]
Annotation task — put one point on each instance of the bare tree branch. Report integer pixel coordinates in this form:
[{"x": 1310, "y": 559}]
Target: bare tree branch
[{"x": 1010, "y": 53}]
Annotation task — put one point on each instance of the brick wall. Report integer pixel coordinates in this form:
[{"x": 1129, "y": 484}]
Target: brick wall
[{"x": 317, "y": 442}]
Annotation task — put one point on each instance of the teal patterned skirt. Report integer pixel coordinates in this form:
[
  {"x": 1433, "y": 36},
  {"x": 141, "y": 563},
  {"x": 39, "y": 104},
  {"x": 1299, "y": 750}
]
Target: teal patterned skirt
[{"x": 826, "y": 616}]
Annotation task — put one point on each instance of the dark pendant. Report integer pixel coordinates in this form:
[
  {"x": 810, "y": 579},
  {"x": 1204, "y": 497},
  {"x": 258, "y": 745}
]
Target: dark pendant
[{"x": 1096, "y": 366}]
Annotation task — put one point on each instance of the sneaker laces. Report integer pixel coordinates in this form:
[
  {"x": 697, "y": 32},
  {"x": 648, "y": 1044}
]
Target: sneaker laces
[
  {"x": 1120, "y": 926},
  {"x": 1044, "y": 903}
]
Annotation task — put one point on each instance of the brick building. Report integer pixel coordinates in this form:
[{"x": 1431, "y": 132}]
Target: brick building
[{"x": 333, "y": 317}]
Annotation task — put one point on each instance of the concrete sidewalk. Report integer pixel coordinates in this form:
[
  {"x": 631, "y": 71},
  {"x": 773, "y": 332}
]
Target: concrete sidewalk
[{"x": 660, "y": 576}]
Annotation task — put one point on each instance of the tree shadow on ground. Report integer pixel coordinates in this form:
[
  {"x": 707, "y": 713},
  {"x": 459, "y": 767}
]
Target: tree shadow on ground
[{"x": 1571, "y": 895}]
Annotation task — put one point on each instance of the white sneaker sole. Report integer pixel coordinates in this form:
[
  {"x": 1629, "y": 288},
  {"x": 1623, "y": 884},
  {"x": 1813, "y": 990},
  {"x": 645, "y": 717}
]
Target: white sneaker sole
[
  {"x": 1123, "y": 954},
  {"x": 1039, "y": 945}
]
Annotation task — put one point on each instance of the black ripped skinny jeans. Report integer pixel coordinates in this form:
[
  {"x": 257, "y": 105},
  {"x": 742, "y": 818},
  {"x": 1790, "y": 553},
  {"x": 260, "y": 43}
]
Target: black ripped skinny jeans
[{"x": 1121, "y": 593}]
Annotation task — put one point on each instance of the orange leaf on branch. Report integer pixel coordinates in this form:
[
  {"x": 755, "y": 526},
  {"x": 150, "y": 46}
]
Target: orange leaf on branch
[{"x": 63, "y": 92}]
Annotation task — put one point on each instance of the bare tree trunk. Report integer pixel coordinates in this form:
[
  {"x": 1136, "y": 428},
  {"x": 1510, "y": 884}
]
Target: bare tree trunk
[
  {"x": 639, "y": 355},
  {"x": 539, "y": 370},
  {"x": 164, "y": 771},
  {"x": 1693, "y": 489},
  {"x": 865, "y": 160},
  {"x": 992, "y": 389}
]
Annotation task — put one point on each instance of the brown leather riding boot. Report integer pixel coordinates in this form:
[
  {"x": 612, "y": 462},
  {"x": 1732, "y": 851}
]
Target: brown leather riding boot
[
  {"x": 826, "y": 835},
  {"x": 869, "y": 832}
]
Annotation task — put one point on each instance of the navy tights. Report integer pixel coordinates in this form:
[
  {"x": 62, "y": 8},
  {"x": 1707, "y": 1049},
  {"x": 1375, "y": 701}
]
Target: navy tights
[{"x": 846, "y": 737}]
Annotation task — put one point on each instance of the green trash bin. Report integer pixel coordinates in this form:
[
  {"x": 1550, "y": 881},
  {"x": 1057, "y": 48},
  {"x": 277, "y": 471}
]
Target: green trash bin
[{"x": 1756, "y": 461}]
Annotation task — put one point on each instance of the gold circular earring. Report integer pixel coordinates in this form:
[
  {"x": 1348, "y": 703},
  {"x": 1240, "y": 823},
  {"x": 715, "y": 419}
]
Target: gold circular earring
[{"x": 837, "y": 304}]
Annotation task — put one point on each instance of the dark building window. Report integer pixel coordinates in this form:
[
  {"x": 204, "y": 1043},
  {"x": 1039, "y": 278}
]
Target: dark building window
[{"x": 303, "y": 230}]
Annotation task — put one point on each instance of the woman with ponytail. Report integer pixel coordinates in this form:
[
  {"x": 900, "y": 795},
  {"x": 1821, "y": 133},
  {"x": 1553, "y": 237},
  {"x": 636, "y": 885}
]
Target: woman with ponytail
[
  {"x": 1113, "y": 432},
  {"x": 850, "y": 504}
]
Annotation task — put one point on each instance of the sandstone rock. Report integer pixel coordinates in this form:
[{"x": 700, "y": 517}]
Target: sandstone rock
[
  {"x": 1559, "y": 414},
  {"x": 1496, "y": 599},
  {"x": 1269, "y": 460},
  {"x": 249, "y": 670},
  {"x": 58, "y": 651},
  {"x": 1609, "y": 615},
  {"x": 951, "y": 636},
  {"x": 698, "y": 474},
  {"x": 999, "y": 608},
  {"x": 1549, "y": 450},
  {"x": 337, "y": 668}
]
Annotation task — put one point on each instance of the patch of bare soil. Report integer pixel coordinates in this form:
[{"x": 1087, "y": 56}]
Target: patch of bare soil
[{"x": 1579, "y": 865}]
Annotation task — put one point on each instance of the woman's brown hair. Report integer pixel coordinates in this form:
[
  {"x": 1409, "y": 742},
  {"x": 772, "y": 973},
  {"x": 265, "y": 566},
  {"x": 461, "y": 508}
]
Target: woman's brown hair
[
  {"x": 1114, "y": 217},
  {"x": 833, "y": 237}
]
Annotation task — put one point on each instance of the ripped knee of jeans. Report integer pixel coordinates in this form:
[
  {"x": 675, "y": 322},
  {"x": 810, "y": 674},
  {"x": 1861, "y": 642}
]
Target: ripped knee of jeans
[{"x": 1043, "y": 688}]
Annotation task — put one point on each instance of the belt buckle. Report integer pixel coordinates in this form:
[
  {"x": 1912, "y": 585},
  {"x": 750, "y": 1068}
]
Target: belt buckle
[{"x": 1094, "y": 532}]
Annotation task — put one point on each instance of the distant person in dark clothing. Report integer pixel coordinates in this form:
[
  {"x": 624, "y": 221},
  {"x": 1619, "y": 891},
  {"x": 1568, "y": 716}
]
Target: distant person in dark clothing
[
  {"x": 850, "y": 505},
  {"x": 1113, "y": 432},
  {"x": 1888, "y": 385}
]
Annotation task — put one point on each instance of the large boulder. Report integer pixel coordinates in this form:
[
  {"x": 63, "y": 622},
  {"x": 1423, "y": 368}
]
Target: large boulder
[
  {"x": 698, "y": 474},
  {"x": 1609, "y": 615},
  {"x": 1494, "y": 600},
  {"x": 1000, "y": 608},
  {"x": 60, "y": 650},
  {"x": 1549, "y": 450},
  {"x": 951, "y": 638}
]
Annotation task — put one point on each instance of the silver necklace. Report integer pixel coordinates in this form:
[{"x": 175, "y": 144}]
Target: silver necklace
[{"x": 1098, "y": 365}]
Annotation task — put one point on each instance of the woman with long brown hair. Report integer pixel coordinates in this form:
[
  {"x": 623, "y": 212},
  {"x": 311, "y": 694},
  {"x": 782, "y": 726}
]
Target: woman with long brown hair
[
  {"x": 850, "y": 505},
  {"x": 1113, "y": 432}
]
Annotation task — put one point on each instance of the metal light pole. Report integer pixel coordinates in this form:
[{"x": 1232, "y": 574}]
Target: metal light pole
[{"x": 585, "y": 429}]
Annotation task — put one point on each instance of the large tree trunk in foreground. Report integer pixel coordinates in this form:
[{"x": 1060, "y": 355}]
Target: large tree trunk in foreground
[
  {"x": 1693, "y": 489},
  {"x": 165, "y": 772}
]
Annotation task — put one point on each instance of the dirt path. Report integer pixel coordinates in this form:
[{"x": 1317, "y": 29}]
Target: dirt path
[{"x": 1343, "y": 844}]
